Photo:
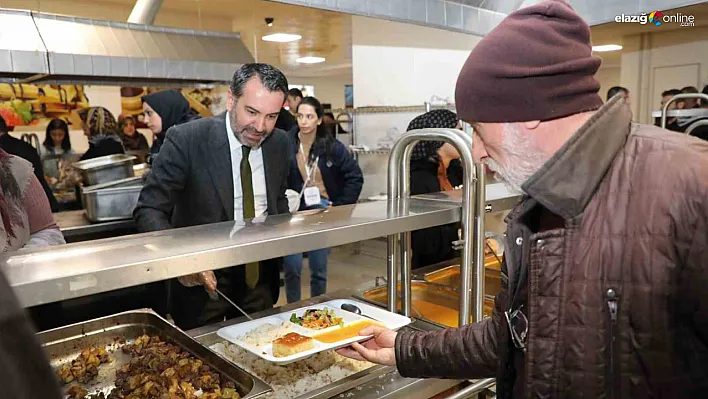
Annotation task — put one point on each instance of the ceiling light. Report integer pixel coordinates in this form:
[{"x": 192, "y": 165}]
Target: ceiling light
[
  {"x": 310, "y": 60},
  {"x": 607, "y": 47},
  {"x": 281, "y": 37}
]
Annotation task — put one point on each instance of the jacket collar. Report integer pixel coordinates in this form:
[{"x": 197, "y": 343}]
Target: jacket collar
[{"x": 566, "y": 182}]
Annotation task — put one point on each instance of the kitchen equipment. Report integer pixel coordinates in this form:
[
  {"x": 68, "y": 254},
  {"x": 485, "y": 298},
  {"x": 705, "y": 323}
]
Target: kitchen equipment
[
  {"x": 437, "y": 303},
  {"x": 111, "y": 201},
  {"x": 235, "y": 333},
  {"x": 64, "y": 344},
  {"x": 233, "y": 304},
  {"x": 106, "y": 169}
]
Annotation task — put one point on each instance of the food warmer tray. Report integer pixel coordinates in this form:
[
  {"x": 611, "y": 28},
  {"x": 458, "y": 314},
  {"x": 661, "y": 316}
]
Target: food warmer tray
[
  {"x": 64, "y": 344},
  {"x": 106, "y": 169}
]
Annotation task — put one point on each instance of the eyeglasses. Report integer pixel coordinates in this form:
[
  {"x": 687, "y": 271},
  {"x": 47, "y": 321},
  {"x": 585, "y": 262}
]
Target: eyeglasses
[{"x": 518, "y": 327}]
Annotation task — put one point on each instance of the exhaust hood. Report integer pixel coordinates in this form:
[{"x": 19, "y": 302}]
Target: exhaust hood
[{"x": 47, "y": 48}]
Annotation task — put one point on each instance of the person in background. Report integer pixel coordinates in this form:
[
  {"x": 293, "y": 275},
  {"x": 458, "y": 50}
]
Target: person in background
[
  {"x": 286, "y": 121},
  {"x": 230, "y": 167},
  {"x": 100, "y": 127},
  {"x": 327, "y": 175},
  {"x": 704, "y": 102},
  {"x": 24, "y": 150},
  {"x": 690, "y": 103},
  {"x": 616, "y": 90},
  {"x": 131, "y": 138},
  {"x": 162, "y": 110},
  {"x": 678, "y": 104},
  {"x": 335, "y": 127},
  {"x": 294, "y": 98},
  {"x": 430, "y": 161},
  {"x": 56, "y": 148},
  {"x": 604, "y": 274},
  {"x": 56, "y": 139}
]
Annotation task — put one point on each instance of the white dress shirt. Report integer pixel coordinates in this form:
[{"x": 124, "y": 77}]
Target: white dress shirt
[{"x": 258, "y": 178}]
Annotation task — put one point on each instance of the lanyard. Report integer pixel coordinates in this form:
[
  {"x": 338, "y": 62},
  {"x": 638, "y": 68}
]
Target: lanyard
[{"x": 308, "y": 168}]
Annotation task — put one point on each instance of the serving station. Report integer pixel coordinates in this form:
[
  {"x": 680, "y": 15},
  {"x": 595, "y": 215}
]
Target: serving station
[{"x": 439, "y": 296}]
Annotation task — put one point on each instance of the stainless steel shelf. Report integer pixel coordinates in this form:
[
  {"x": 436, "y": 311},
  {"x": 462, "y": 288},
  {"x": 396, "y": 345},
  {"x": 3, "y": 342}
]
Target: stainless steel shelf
[
  {"x": 69, "y": 271},
  {"x": 693, "y": 112},
  {"x": 74, "y": 270},
  {"x": 74, "y": 223}
]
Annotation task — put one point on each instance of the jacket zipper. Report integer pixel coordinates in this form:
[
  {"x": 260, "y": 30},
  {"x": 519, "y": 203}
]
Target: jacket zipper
[{"x": 612, "y": 298}]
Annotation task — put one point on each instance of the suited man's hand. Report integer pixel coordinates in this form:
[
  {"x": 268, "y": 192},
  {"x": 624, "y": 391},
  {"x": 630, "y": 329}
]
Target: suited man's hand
[{"x": 206, "y": 279}]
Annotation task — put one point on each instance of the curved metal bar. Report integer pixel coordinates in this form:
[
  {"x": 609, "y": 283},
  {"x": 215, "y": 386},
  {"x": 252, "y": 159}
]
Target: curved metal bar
[
  {"x": 473, "y": 389},
  {"x": 701, "y": 122},
  {"x": 679, "y": 97},
  {"x": 398, "y": 185}
]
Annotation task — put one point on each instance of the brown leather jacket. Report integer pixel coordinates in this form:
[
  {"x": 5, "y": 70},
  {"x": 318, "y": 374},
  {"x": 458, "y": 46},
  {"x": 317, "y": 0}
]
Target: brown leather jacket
[{"x": 634, "y": 202}]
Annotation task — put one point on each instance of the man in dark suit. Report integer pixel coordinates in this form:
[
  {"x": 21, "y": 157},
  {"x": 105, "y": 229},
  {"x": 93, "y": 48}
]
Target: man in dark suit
[
  {"x": 24, "y": 150},
  {"x": 229, "y": 167}
]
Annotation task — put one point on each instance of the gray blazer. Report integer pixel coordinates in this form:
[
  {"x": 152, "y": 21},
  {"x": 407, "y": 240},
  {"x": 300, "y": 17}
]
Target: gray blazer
[{"x": 191, "y": 182}]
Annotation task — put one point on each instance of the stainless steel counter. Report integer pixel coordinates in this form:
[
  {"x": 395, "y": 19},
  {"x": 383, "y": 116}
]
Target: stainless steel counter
[
  {"x": 376, "y": 382},
  {"x": 74, "y": 223},
  {"x": 47, "y": 275}
]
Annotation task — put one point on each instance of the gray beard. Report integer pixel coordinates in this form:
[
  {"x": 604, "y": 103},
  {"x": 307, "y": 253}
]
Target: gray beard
[
  {"x": 238, "y": 130},
  {"x": 522, "y": 159}
]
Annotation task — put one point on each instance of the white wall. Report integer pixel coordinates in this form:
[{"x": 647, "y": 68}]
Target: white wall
[
  {"x": 608, "y": 77},
  {"x": 397, "y": 64},
  {"x": 328, "y": 89},
  {"x": 651, "y": 58}
]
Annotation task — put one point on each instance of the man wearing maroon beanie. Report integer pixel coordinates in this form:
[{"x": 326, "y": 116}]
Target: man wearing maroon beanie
[{"x": 605, "y": 287}]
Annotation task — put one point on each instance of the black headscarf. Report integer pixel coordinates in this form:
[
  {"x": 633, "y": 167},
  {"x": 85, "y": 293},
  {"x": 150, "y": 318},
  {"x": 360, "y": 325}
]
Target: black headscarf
[
  {"x": 171, "y": 105},
  {"x": 173, "y": 109},
  {"x": 436, "y": 119}
]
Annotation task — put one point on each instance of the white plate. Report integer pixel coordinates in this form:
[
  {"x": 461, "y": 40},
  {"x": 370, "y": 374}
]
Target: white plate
[{"x": 235, "y": 333}]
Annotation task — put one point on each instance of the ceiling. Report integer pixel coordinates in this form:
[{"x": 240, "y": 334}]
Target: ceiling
[
  {"x": 324, "y": 33},
  {"x": 612, "y": 33}
]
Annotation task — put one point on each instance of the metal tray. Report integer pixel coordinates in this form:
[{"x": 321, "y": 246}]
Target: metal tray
[
  {"x": 112, "y": 201},
  {"x": 106, "y": 169},
  {"x": 64, "y": 344}
]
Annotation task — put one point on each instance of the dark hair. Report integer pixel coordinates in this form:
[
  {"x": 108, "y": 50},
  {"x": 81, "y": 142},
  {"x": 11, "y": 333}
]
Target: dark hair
[
  {"x": 324, "y": 141},
  {"x": 671, "y": 92},
  {"x": 295, "y": 92},
  {"x": 615, "y": 90},
  {"x": 271, "y": 78},
  {"x": 331, "y": 115},
  {"x": 689, "y": 89},
  {"x": 3, "y": 125},
  {"x": 61, "y": 125}
]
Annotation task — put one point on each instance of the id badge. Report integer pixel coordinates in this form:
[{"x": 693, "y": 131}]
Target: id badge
[{"x": 312, "y": 196}]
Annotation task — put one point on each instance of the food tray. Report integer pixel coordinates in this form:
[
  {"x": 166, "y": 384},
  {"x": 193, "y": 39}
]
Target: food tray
[
  {"x": 64, "y": 344},
  {"x": 235, "y": 333},
  {"x": 112, "y": 201},
  {"x": 106, "y": 169}
]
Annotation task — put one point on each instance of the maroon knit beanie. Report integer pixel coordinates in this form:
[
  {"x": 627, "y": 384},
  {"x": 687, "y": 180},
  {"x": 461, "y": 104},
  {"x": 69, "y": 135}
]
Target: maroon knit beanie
[{"x": 536, "y": 65}]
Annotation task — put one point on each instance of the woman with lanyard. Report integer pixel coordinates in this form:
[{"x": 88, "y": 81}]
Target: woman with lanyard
[{"x": 325, "y": 174}]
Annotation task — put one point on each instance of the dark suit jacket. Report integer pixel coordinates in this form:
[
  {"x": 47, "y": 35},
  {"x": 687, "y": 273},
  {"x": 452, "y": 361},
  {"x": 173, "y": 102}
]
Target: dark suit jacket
[
  {"x": 22, "y": 149},
  {"x": 191, "y": 183}
]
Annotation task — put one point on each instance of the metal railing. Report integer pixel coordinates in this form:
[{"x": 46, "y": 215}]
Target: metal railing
[
  {"x": 33, "y": 140},
  {"x": 673, "y": 99},
  {"x": 472, "y": 221}
]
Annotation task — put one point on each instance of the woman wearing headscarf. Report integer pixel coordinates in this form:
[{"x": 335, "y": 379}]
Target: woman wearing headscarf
[
  {"x": 430, "y": 162},
  {"x": 162, "y": 110},
  {"x": 100, "y": 127},
  {"x": 131, "y": 138}
]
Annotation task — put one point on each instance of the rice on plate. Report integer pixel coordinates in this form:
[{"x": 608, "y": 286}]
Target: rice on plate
[{"x": 291, "y": 380}]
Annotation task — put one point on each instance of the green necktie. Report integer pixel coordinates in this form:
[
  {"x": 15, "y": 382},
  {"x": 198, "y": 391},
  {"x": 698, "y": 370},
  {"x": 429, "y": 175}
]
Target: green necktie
[{"x": 249, "y": 209}]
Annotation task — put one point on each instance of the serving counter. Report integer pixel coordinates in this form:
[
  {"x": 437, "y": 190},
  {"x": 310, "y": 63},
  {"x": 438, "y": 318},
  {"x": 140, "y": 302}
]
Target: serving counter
[
  {"x": 43, "y": 276},
  {"x": 375, "y": 382}
]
